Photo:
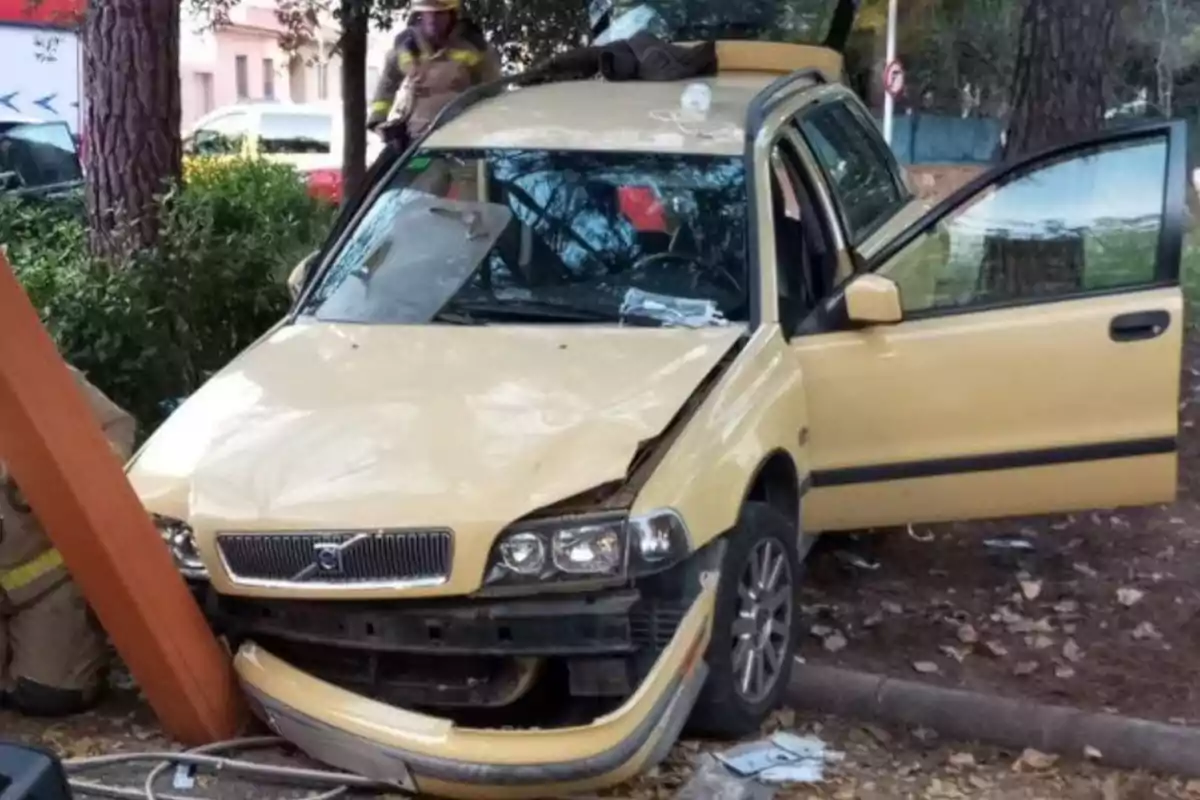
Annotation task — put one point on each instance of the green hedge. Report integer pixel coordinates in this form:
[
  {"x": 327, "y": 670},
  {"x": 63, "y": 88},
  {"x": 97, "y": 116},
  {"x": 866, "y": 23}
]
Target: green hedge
[{"x": 150, "y": 331}]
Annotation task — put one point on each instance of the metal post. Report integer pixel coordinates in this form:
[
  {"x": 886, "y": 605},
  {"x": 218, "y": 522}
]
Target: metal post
[{"x": 889, "y": 103}]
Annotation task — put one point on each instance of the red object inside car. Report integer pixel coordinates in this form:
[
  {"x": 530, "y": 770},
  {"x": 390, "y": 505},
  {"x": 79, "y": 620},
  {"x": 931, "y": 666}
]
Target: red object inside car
[{"x": 642, "y": 207}]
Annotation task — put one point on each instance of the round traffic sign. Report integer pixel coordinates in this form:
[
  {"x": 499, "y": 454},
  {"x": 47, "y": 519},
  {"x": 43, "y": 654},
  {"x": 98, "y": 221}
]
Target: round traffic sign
[{"x": 893, "y": 78}]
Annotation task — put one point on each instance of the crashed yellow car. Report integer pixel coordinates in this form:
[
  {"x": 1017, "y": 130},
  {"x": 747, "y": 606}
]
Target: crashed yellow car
[{"x": 523, "y": 484}]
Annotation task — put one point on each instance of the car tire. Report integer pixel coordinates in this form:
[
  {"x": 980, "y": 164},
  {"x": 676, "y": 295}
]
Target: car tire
[{"x": 734, "y": 701}]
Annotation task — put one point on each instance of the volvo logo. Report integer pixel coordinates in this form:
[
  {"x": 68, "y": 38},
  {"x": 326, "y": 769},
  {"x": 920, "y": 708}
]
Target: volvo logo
[{"x": 328, "y": 559}]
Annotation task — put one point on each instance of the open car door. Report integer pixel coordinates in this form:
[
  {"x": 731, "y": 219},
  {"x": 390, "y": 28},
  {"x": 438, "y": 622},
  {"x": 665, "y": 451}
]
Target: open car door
[{"x": 1032, "y": 360}]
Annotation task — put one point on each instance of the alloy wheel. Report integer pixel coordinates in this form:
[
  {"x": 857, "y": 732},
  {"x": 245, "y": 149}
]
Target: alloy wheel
[{"x": 762, "y": 628}]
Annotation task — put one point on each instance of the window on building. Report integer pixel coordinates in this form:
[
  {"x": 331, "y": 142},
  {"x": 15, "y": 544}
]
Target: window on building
[
  {"x": 204, "y": 91},
  {"x": 322, "y": 81},
  {"x": 268, "y": 79},
  {"x": 242, "y": 73}
]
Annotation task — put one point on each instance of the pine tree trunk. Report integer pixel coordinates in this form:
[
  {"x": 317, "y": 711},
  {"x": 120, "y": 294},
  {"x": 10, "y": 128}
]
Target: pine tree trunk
[
  {"x": 355, "y": 27},
  {"x": 1062, "y": 67},
  {"x": 131, "y": 129}
]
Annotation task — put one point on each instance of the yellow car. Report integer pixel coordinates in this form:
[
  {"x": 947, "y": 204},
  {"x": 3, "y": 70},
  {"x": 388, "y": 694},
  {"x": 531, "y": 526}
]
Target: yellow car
[{"x": 524, "y": 482}]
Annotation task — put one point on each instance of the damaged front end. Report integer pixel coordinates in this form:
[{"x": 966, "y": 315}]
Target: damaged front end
[
  {"x": 483, "y": 696},
  {"x": 573, "y": 666}
]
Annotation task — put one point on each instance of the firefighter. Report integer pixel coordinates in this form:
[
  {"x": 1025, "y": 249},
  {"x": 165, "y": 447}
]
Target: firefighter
[
  {"x": 437, "y": 57},
  {"x": 53, "y": 654}
]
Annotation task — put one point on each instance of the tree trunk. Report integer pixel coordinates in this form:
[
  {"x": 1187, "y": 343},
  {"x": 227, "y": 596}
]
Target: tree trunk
[
  {"x": 131, "y": 123},
  {"x": 355, "y": 27},
  {"x": 1063, "y": 56}
]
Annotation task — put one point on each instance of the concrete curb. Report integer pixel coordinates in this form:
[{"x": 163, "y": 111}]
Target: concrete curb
[{"x": 1124, "y": 742}]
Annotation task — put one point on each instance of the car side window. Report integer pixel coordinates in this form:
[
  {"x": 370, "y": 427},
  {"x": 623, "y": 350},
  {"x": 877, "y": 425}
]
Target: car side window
[
  {"x": 858, "y": 166},
  {"x": 296, "y": 134},
  {"x": 1086, "y": 222},
  {"x": 223, "y": 136}
]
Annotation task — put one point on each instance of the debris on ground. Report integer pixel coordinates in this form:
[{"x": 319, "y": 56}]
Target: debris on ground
[{"x": 751, "y": 770}]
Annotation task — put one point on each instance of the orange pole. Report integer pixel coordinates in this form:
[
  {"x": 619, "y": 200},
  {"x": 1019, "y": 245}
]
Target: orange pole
[{"x": 58, "y": 454}]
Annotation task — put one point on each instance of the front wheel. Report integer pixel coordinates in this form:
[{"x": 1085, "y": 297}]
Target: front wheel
[{"x": 755, "y": 626}]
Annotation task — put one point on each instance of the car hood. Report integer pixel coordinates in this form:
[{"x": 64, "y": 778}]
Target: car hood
[{"x": 324, "y": 426}]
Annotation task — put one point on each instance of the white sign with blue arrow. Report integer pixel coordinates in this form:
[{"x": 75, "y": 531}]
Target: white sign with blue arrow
[{"x": 33, "y": 86}]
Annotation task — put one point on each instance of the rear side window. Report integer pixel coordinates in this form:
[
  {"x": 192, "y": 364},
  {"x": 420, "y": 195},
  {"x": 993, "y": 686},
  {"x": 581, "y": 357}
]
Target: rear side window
[
  {"x": 858, "y": 166},
  {"x": 296, "y": 134}
]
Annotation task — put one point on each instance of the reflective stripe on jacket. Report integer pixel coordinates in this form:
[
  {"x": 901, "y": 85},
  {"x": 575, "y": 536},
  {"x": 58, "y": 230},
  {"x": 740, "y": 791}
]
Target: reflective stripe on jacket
[{"x": 12, "y": 581}]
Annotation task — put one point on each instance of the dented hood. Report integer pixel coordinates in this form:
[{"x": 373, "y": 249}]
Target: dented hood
[{"x": 326, "y": 426}]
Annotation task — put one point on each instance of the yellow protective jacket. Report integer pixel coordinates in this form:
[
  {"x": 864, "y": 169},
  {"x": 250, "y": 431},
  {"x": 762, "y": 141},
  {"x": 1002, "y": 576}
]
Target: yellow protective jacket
[
  {"x": 29, "y": 564},
  {"x": 432, "y": 78}
]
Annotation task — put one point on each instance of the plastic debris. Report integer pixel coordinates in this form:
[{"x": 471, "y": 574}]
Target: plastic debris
[
  {"x": 785, "y": 758},
  {"x": 185, "y": 776},
  {"x": 712, "y": 780},
  {"x": 668, "y": 310}
]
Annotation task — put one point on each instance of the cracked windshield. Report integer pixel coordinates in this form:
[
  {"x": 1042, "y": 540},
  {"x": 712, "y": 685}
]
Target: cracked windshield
[{"x": 530, "y": 235}]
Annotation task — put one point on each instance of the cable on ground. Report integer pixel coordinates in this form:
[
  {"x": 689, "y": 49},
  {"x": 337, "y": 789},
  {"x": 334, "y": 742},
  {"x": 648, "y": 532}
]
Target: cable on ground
[{"x": 206, "y": 756}]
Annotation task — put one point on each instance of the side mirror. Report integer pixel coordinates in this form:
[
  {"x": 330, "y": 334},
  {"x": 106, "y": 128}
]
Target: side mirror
[
  {"x": 873, "y": 300},
  {"x": 299, "y": 276}
]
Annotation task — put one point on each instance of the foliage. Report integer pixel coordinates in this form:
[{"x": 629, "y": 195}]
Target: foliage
[{"x": 152, "y": 329}]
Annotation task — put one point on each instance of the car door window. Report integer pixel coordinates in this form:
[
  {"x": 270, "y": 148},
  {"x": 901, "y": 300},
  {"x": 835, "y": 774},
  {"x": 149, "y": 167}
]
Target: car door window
[
  {"x": 1087, "y": 222},
  {"x": 296, "y": 134},
  {"x": 858, "y": 166}
]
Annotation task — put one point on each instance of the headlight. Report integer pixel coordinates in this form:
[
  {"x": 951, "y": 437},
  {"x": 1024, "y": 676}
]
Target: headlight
[
  {"x": 592, "y": 547},
  {"x": 182, "y": 543}
]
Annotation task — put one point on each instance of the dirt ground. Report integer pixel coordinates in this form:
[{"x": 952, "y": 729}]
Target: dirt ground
[{"x": 880, "y": 763}]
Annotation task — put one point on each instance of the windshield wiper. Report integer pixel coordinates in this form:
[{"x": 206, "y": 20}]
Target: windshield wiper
[
  {"x": 458, "y": 318},
  {"x": 538, "y": 310}
]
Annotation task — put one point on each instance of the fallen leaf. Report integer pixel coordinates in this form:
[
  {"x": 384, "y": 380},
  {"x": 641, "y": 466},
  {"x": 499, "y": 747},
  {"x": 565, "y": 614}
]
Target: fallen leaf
[
  {"x": 1034, "y": 759},
  {"x": 980, "y": 782},
  {"x": 959, "y": 654},
  {"x": 1092, "y": 753},
  {"x": 1129, "y": 597},
  {"x": 1084, "y": 569},
  {"x": 873, "y": 621},
  {"x": 1007, "y": 616},
  {"x": 891, "y": 607},
  {"x": 1025, "y": 668},
  {"x": 1039, "y": 642},
  {"x": 996, "y": 649},
  {"x": 967, "y": 634},
  {"x": 878, "y": 734},
  {"x": 1031, "y": 589},
  {"x": 926, "y": 667},
  {"x": 821, "y": 631},
  {"x": 1146, "y": 630},
  {"x": 1064, "y": 673},
  {"x": 962, "y": 760},
  {"x": 1072, "y": 651},
  {"x": 1067, "y": 607},
  {"x": 835, "y": 642}
]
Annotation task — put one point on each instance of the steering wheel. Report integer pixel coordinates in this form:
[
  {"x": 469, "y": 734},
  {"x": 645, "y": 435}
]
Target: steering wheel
[{"x": 655, "y": 258}]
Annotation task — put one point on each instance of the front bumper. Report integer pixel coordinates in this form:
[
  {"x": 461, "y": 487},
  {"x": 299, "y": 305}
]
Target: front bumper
[{"x": 433, "y": 755}]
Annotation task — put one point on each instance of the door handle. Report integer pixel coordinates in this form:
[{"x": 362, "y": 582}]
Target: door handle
[{"x": 1138, "y": 326}]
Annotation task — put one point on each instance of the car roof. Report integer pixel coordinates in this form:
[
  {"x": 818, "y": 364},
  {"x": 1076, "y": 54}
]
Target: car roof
[{"x": 599, "y": 115}]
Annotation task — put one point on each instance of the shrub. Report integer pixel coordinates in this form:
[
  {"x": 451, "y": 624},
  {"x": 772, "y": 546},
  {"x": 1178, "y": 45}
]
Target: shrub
[{"x": 151, "y": 330}]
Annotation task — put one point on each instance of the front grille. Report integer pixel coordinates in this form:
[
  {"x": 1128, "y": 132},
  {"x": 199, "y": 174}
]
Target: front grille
[{"x": 337, "y": 558}]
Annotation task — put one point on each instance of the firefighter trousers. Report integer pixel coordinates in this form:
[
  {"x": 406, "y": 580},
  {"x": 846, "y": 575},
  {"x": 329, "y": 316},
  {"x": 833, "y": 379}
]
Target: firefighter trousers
[{"x": 53, "y": 653}]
